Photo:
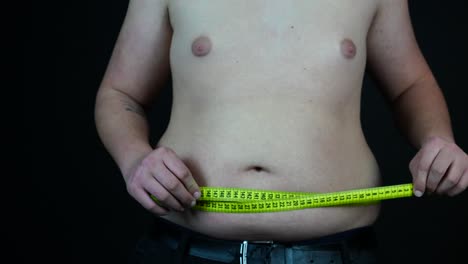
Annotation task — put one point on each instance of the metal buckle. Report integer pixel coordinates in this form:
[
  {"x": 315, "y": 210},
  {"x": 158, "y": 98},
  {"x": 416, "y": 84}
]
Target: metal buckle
[
  {"x": 243, "y": 252},
  {"x": 244, "y": 246}
]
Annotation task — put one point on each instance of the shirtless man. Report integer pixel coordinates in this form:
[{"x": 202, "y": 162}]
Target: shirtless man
[{"x": 266, "y": 95}]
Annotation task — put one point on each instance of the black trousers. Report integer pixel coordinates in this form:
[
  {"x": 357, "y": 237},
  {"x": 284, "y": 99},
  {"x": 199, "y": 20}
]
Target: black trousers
[{"x": 170, "y": 243}]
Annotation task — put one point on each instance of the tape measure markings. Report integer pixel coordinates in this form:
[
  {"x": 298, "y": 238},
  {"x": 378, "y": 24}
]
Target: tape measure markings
[{"x": 239, "y": 200}]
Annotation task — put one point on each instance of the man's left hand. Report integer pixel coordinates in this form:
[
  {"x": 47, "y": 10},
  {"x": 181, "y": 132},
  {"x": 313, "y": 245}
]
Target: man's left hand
[{"x": 440, "y": 166}]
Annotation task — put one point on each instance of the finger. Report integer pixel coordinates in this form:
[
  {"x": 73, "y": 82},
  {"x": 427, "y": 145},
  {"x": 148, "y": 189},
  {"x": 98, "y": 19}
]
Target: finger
[
  {"x": 145, "y": 200},
  {"x": 174, "y": 185},
  {"x": 178, "y": 168},
  {"x": 460, "y": 186},
  {"x": 439, "y": 167},
  {"x": 421, "y": 169},
  {"x": 452, "y": 177},
  {"x": 164, "y": 196},
  {"x": 413, "y": 165}
]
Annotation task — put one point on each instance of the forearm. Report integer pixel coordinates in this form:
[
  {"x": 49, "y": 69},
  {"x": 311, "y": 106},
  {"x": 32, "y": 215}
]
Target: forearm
[
  {"x": 122, "y": 126},
  {"x": 421, "y": 112}
]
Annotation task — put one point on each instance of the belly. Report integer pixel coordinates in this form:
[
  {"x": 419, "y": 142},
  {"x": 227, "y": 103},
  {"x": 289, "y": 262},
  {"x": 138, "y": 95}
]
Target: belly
[{"x": 273, "y": 143}]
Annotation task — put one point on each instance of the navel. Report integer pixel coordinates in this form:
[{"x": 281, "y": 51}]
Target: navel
[
  {"x": 348, "y": 48},
  {"x": 256, "y": 168},
  {"x": 201, "y": 46}
]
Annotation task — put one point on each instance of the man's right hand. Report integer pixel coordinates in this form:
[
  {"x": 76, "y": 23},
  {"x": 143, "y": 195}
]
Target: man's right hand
[{"x": 162, "y": 174}]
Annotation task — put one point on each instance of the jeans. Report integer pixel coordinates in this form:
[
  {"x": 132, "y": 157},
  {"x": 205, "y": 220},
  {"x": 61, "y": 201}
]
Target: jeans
[{"x": 170, "y": 243}]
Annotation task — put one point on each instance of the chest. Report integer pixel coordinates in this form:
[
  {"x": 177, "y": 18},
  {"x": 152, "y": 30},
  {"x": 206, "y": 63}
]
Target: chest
[
  {"x": 271, "y": 18},
  {"x": 291, "y": 43}
]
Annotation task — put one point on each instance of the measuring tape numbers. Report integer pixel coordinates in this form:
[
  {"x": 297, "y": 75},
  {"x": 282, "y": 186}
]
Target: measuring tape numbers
[{"x": 239, "y": 200}]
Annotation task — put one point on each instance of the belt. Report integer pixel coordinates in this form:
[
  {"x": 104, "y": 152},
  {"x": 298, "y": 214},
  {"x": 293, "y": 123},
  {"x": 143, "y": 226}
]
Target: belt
[{"x": 333, "y": 248}]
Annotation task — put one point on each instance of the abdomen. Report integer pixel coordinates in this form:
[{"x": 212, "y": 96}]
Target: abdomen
[{"x": 276, "y": 144}]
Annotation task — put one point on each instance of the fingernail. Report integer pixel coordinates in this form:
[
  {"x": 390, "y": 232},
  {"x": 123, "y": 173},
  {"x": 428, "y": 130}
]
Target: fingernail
[
  {"x": 193, "y": 203},
  {"x": 418, "y": 193},
  {"x": 197, "y": 195}
]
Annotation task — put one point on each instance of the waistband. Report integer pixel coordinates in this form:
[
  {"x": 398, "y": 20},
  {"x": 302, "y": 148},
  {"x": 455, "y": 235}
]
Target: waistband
[{"x": 190, "y": 242}]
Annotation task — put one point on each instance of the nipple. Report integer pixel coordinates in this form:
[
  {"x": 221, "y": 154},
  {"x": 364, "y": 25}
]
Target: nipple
[
  {"x": 348, "y": 48},
  {"x": 201, "y": 46}
]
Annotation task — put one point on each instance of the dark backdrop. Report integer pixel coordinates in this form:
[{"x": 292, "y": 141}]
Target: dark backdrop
[{"x": 68, "y": 202}]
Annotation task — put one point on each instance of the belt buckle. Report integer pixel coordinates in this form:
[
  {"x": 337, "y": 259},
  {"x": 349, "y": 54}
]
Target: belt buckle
[
  {"x": 243, "y": 252},
  {"x": 245, "y": 244}
]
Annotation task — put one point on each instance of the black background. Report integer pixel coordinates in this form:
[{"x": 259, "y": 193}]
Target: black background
[{"x": 66, "y": 201}]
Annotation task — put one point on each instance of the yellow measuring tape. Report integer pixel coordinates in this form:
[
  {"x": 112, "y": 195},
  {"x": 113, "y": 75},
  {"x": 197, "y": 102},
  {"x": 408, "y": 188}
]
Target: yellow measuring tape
[{"x": 239, "y": 200}]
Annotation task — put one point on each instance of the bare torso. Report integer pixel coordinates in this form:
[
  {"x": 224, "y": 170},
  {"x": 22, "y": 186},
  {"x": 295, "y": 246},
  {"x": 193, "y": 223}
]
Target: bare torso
[{"x": 271, "y": 102}]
